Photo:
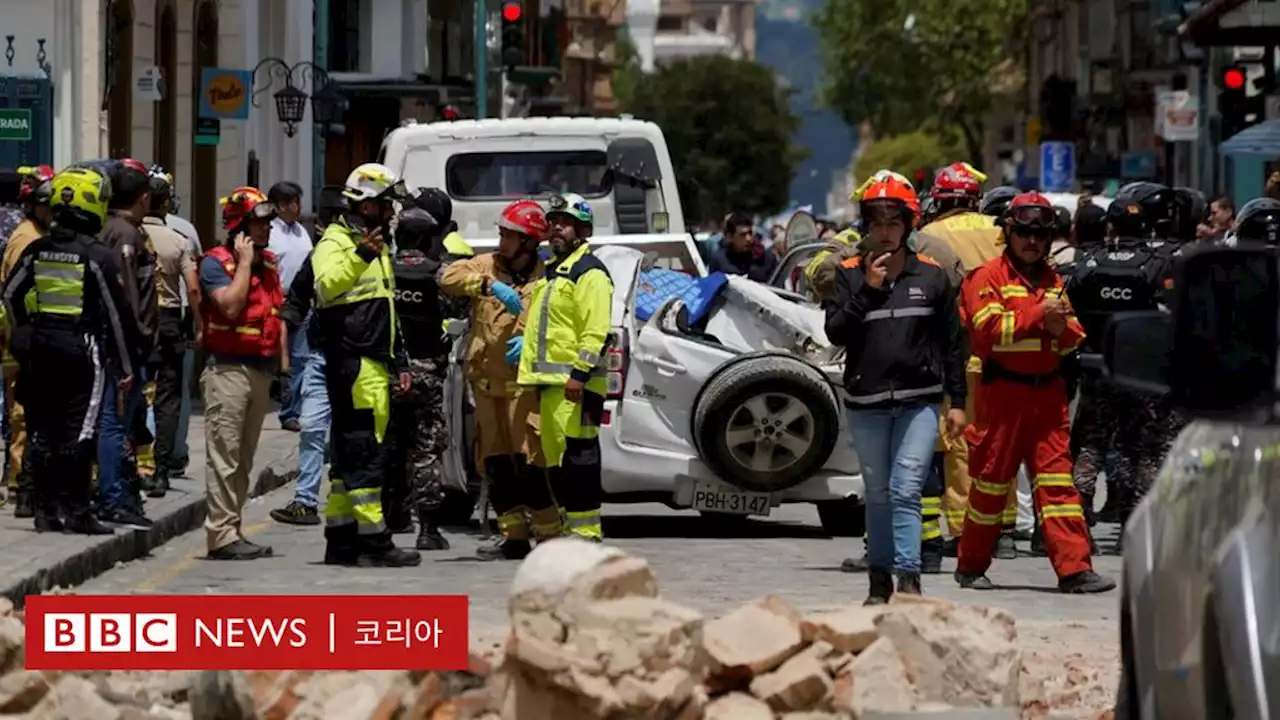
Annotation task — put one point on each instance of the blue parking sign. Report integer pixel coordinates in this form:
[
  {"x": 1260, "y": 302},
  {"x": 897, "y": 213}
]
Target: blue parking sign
[{"x": 1057, "y": 167}]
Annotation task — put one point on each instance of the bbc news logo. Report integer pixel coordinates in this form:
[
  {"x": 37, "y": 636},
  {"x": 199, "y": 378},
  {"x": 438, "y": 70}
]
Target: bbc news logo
[{"x": 247, "y": 632}]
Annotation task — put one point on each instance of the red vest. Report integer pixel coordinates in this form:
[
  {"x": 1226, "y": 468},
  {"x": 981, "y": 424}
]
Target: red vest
[{"x": 256, "y": 332}]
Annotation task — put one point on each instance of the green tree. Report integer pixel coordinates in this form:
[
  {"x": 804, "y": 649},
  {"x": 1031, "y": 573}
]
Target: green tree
[
  {"x": 729, "y": 128},
  {"x": 626, "y": 72},
  {"x": 904, "y": 65},
  {"x": 905, "y": 154}
]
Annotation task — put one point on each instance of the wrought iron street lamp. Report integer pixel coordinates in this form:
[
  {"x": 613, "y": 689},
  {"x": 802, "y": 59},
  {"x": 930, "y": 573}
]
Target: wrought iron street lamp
[{"x": 327, "y": 103}]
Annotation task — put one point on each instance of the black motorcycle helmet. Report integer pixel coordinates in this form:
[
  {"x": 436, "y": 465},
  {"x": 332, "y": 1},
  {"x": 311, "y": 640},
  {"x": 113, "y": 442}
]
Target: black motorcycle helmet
[
  {"x": 415, "y": 229},
  {"x": 1061, "y": 222},
  {"x": 996, "y": 201},
  {"x": 1259, "y": 221},
  {"x": 1143, "y": 210},
  {"x": 436, "y": 202},
  {"x": 1193, "y": 209}
]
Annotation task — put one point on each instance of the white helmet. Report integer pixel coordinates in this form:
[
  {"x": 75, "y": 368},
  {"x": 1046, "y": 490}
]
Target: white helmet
[{"x": 372, "y": 181}]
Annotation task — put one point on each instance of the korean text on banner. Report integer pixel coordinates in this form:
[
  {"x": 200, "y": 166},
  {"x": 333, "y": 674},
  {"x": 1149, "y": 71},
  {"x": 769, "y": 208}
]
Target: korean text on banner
[{"x": 246, "y": 632}]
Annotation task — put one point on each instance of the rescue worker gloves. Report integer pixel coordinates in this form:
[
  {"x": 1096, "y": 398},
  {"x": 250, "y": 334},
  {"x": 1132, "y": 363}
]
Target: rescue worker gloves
[
  {"x": 82, "y": 192},
  {"x": 514, "y": 347},
  {"x": 508, "y": 296}
]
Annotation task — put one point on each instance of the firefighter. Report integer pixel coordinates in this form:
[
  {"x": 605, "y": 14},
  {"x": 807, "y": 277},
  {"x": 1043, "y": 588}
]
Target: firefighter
[
  {"x": 509, "y": 451},
  {"x": 419, "y": 435},
  {"x": 78, "y": 322},
  {"x": 360, "y": 338},
  {"x": 34, "y": 191},
  {"x": 1020, "y": 327},
  {"x": 562, "y": 355},
  {"x": 819, "y": 274}
]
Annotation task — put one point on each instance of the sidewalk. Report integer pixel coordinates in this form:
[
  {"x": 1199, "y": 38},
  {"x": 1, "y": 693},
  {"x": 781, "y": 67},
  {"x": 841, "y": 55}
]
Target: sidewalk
[{"x": 32, "y": 562}]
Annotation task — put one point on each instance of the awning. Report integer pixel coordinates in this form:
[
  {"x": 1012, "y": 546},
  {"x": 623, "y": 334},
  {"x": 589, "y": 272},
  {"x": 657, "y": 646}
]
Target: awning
[{"x": 1261, "y": 139}]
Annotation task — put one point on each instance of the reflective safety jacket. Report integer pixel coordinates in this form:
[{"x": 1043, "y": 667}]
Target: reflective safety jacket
[
  {"x": 491, "y": 325},
  {"x": 570, "y": 317},
  {"x": 961, "y": 241},
  {"x": 819, "y": 274},
  {"x": 1006, "y": 323},
  {"x": 78, "y": 294},
  {"x": 456, "y": 245},
  {"x": 256, "y": 331},
  {"x": 355, "y": 298}
]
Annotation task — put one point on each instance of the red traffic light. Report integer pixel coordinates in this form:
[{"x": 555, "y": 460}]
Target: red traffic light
[
  {"x": 1233, "y": 78},
  {"x": 511, "y": 12},
  {"x": 920, "y": 175}
]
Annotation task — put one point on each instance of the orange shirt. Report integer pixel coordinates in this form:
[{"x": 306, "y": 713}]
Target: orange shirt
[{"x": 1006, "y": 322}]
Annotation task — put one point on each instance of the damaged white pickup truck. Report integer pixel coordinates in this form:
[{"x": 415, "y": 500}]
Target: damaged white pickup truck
[{"x": 730, "y": 408}]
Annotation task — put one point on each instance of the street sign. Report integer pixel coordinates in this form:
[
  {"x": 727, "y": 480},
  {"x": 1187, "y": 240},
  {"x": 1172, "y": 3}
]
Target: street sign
[
  {"x": 208, "y": 131},
  {"x": 1057, "y": 167},
  {"x": 15, "y": 125},
  {"x": 1179, "y": 113}
]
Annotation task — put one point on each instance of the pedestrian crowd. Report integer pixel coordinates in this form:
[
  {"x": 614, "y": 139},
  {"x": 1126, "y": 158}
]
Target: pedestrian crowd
[{"x": 108, "y": 297}]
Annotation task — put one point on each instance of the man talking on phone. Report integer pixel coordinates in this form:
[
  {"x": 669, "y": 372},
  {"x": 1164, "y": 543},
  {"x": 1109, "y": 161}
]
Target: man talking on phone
[
  {"x": 363, "y": 347},
  {"x": 895, "y": 311}
]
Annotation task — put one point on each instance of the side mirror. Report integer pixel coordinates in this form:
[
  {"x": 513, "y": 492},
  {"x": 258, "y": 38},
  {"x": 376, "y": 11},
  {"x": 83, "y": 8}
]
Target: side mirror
[{"x": 1214, "y": 356}]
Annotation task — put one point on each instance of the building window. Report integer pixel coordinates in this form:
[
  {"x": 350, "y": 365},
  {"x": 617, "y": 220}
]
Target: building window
[
  {"x": 345, "y": 20},
  {"x": 450, "y": 41}
]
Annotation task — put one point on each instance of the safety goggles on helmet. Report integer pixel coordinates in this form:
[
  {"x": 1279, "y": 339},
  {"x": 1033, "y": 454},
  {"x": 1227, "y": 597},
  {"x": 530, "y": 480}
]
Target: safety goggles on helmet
[
  {"x": 1032, "y": 217},
  {"x": 880, "y": 209},
  {"x": 372, "y": 181},
  {"x": 572, "y": 205},
  {"x": 262, "y": 211}
]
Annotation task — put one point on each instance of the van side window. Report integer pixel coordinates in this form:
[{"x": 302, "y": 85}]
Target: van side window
[{"x": 475, "y": 176}]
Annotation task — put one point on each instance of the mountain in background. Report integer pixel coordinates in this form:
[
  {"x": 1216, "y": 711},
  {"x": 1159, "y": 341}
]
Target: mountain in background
[{"x": 786, "y": 43}]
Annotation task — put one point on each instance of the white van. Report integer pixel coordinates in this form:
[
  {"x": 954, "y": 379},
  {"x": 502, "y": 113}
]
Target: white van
[{"x": 620, "y": 165}]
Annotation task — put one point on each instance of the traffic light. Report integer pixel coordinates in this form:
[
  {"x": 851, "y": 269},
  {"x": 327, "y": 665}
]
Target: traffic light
[
  {"x": 1238, "y": 110},
  {"x": 513, "y": 34}
]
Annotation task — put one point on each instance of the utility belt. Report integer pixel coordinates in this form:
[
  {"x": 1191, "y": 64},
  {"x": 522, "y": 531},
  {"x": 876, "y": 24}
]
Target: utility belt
[{"x": 992, "y": 371}]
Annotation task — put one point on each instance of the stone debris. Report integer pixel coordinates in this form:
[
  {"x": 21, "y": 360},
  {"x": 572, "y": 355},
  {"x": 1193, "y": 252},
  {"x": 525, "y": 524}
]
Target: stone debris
[{"x": 590, "y": 638}]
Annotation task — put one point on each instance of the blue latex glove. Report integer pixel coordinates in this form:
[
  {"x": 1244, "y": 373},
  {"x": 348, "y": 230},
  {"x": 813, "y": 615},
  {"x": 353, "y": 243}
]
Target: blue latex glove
[
  {"x": 508, "y": 296},
  {"x": 514, "y": 347}
]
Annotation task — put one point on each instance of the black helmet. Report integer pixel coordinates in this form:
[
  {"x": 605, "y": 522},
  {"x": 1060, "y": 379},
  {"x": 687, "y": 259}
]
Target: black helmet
[
  {"x": 1193, "y": 209},
  {"x": 1061, "y": 221},
  {"x": 996, "y": 201},
  {"x": 1143, "y": 209},
  {"x": 1259, "y": 221},
  {"x": 436, "y": 202},
  {"x": 161, "y": 190},
  {"x": 414, "y": 229}
]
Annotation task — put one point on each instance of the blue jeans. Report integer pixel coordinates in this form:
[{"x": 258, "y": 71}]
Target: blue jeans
[
  {"x": 895, "y": 451},
  {"x": 113, "y": 430},
  {"x": 314, "y": 418},
  {"x": 298, "y": 355}
]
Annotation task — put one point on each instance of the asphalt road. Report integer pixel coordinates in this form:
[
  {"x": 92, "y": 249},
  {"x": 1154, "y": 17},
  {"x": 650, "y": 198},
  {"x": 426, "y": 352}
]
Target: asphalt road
[{"x": 697, "y": 563}]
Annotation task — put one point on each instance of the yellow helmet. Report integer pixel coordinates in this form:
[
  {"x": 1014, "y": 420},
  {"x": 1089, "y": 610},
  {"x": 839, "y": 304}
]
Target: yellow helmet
[{"x": 81, "y": 189}]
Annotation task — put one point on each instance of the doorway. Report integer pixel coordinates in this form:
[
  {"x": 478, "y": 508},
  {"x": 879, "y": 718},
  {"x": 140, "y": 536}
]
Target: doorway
[
  {"x": 165, "y": 150},
  {"x": 204, "y": 158},
  {"x": 120, "y": 95}
]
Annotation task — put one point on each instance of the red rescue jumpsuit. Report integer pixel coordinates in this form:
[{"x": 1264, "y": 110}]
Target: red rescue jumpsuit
[{"x": 1021, "y": 416}]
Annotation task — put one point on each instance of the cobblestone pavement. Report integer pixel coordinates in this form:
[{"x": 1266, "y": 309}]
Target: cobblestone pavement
[{"x": 697, "y": 563}]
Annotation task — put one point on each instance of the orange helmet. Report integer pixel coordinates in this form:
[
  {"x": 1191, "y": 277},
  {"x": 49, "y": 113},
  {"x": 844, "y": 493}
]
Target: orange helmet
[
  {"x": 890, "y": 194},
  {"x": 525, "y": 217},
  {"x": 242, "y": 201}
]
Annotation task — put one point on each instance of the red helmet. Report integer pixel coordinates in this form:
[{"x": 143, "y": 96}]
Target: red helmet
[
  {"x": 525, "y": 217},
  {"x": 240, "y": 203},
  {"x": 890, "y": 195},
  {"x": 957, "y": 180},
  {"x": 36, "y": 185},
  {"x": 1031, "y": 211}
]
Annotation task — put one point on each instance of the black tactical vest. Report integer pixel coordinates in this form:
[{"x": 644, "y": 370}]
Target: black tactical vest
[
  {"x": 418, "y": 304},
  {"x": 1111, "y": 280}
]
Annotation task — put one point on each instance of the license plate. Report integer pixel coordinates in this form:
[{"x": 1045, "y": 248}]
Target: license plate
[{"x": 711, "y": 497}]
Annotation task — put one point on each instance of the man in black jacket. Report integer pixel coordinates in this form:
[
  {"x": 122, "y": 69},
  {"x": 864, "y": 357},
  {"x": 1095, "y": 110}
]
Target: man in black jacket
[
  {"x": 896, "y": 313},
  {"x": 740, "y": 253}
]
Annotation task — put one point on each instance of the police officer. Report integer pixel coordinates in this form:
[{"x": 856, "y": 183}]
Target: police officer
[
  {"x": 565, "y": 340},
  {"x": 358, "y": 333},
  {"x": 419, "y": 435},
  {"x": 79, "y": 323},
  {"x": 1193, "y": 211},
  {"x": 1126, "y": 274},
  {"x": 1258, "y": 222}
]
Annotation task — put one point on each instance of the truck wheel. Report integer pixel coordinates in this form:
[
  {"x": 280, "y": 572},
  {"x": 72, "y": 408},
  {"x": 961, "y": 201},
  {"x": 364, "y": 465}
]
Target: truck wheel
[
  {"x": 843, "y": 518},
  {"x": 766, "y": 423}
]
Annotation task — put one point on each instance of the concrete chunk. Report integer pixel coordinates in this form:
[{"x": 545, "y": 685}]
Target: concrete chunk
[
  {"x": 876, "y": 681},
  {"x": 737, "y": 706},
  {"x": 750, "y": 641},
  {"x": 800, "y": 684},
  {"x": 849, "y": 630}
]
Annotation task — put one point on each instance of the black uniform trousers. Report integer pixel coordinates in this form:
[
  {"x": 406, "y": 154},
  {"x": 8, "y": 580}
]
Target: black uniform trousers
[
  {"x": 175, "y": 332},
  {"x": 358, "y": 458}
]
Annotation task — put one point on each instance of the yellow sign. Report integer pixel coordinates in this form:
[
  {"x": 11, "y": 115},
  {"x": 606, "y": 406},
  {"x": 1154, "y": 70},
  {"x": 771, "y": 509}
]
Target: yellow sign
[{"x": 224, "y": 94}]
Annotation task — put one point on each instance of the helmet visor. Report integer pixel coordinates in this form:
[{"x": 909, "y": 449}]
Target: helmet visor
[
  {"x": 1032, "y": 217},
  {"x": 262, "y": 211},
  {"x": 882, "y": 209}
]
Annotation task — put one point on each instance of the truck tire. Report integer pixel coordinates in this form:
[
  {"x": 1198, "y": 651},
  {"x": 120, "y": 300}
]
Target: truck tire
[{"x": 766, "y": 423}]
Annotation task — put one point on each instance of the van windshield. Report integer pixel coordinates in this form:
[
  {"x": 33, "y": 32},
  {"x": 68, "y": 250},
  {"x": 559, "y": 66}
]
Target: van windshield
[{"x": 475, "y": 176}]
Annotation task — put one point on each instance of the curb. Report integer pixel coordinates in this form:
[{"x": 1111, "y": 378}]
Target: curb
[{"x": 103, "y": 555}]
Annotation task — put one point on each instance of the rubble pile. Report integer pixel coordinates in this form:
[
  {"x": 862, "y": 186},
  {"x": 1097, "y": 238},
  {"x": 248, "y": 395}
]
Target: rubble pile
[{"x": 590, "y": 638}]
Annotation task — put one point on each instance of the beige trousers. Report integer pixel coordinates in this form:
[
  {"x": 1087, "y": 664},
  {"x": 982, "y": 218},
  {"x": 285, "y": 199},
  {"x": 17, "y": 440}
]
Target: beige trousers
[{"x": 236, "y": 399}]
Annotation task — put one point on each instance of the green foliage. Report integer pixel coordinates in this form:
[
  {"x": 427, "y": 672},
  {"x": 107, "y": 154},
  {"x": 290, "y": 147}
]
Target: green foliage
[
  {"x": 903, "y": 65},
  {"x": 626, "y": 72},
  {"x": 905, "y": 154},
  {"x": 729, "y": 127}
]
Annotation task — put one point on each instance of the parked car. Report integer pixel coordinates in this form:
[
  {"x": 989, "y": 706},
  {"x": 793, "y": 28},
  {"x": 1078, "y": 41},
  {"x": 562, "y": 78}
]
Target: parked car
[
  {"x": 729, "y": 407},
  {"x": 1200, "y": 624}
]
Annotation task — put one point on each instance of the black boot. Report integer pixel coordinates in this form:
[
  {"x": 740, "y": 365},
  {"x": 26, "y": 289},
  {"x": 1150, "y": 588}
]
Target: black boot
[
  {"x": 46, "y": 516},
  {"x": 881, "y": 587},
  {"x": 429, "y": 537},
  {"x": 974, "y": 581},
  {"x": 505, "y": 549},
  {"x": 1086, "y": 581},
  {"x": 380, "y": 551},
  {"x": 909, "y": 584},
  {"x": 855, "y": 565},
  {"x": 1037, "y": 542},
  {"x": 340, "y": 545},
  {"x": 157, "y": 486},
  {"x": 931, "y": 552},
  {"x": 1005, "y": 547},
  {"x": 24, "y": 504},
  {"x": 84, "y": 522},
  {"x": 951, "y": 547}
]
